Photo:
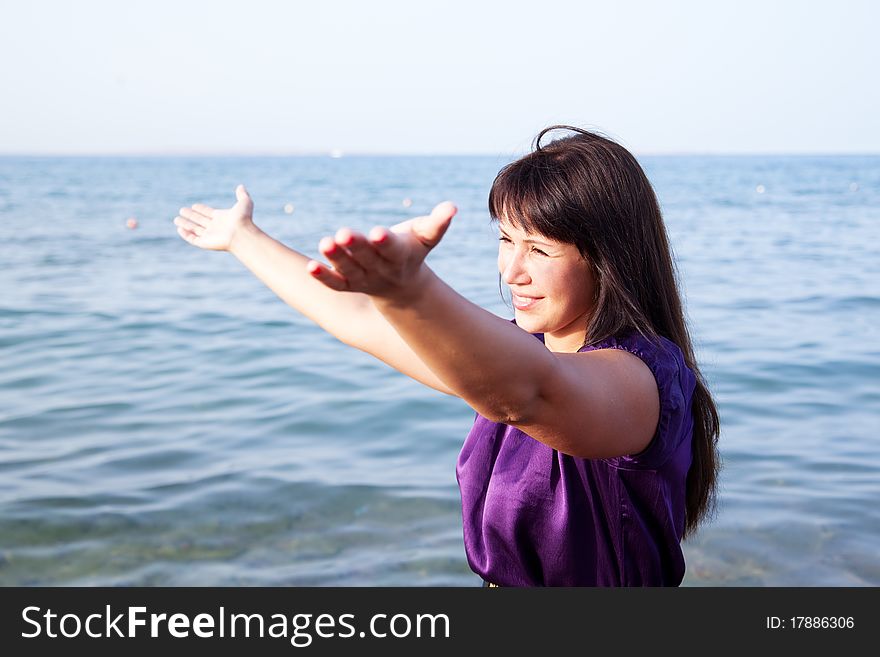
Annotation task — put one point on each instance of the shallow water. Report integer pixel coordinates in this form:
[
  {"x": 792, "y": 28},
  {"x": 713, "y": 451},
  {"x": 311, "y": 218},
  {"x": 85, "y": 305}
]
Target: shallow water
[{"x": 164, "y": 419}]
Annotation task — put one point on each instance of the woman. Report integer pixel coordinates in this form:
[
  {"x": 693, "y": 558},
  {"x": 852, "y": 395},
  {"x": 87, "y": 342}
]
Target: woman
[{"x": 594, "y": 448}]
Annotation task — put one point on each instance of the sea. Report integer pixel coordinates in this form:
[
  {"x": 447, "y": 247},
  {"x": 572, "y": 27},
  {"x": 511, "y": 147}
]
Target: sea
[{"x": 166, "y": 420}]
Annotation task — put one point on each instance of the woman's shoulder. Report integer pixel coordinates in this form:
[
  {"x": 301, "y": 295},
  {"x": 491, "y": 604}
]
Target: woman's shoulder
[
  {"x": 661, "y": 354},
  {"x": 663, "y": 357},
  {"x": 675, "y": 384}
]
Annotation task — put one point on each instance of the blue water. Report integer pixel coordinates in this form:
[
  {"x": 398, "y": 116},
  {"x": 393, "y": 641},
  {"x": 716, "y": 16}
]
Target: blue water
[{"x": 166, "y": 420}]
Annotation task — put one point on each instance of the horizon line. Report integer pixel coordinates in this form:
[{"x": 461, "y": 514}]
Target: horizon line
[{"x": 341, "y": 154}]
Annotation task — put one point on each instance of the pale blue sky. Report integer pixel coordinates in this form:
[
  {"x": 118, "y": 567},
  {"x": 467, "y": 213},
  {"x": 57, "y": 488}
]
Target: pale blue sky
[{"x": 444, "y": 76}]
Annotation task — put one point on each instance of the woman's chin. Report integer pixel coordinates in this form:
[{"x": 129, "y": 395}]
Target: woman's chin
[{"x": 526, "y": 322}]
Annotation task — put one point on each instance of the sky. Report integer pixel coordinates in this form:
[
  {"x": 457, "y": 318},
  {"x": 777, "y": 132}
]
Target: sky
[{"x": 437, "y": 77}]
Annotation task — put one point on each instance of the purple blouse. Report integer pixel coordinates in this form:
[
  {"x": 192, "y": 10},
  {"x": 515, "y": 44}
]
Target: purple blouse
[{"x": 533, "y": 516}]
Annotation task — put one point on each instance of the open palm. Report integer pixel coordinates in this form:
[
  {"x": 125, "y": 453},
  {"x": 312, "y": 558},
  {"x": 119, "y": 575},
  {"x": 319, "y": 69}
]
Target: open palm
[
  {"x": 384, "y": 262},
  {"x": 212, "y": 229}
]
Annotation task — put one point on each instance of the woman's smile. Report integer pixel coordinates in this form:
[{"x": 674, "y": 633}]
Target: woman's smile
[{"x": 522, "y": 302}]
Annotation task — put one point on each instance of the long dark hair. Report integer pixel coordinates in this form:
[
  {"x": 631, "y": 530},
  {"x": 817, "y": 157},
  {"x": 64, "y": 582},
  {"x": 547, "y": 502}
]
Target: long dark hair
[{"x": 587, "y": 190}]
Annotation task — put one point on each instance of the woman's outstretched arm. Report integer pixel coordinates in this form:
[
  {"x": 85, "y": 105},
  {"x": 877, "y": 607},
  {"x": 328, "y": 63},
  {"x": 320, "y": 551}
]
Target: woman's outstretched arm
[
  {"x": 597, "y": 404},
  {"x": 352, "y": 317}
]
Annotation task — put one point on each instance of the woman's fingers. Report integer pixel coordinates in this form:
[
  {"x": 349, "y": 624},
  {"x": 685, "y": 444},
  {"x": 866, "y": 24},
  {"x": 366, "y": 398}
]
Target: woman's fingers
[
  {"x": 203, "y": 209},
  {"x": 362, "y": 251},
  {"x": 430, "y": 230},
  {"x": 384, "y": 258},
  {"x": 356, "y": 262},
  {"x": 195, "y": 217},
  {"x": 342, "y": 262},
  {"x": 327, "y": 276},
  {"x": 243, "y": 199},
  {"x": 378, "y": 235},
  {"x": 189, "y": 226},
  {"x": 188, "y": 235},
  {"x": 391, "y": 246}
]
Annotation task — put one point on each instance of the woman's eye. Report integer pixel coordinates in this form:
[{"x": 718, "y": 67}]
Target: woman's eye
[{"x": 534, "y": 248}]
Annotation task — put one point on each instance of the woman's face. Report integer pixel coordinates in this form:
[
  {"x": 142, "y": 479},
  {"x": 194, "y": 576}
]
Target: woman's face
[{"x": 551, "y": 283}]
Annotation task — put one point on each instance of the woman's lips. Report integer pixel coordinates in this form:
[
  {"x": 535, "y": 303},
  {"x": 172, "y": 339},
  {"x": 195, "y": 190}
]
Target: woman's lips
[{"x": 524, "y": 303}]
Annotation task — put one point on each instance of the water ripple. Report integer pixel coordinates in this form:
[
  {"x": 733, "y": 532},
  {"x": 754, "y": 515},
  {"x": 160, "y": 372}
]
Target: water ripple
[{"x": 166, "y": 420}]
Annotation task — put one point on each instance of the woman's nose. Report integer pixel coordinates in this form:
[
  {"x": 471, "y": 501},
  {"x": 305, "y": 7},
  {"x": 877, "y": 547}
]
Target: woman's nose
[{"x": 513, "y": 271}]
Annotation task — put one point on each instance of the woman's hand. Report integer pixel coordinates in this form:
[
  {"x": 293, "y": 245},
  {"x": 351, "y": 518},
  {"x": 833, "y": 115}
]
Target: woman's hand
[
  {"x": 388, "y": 261},
  {"x": 216, "y": 230}
]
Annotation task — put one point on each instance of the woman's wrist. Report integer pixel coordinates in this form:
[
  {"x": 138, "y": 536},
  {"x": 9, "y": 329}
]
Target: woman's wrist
[{"x": 242, "y": 236}]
